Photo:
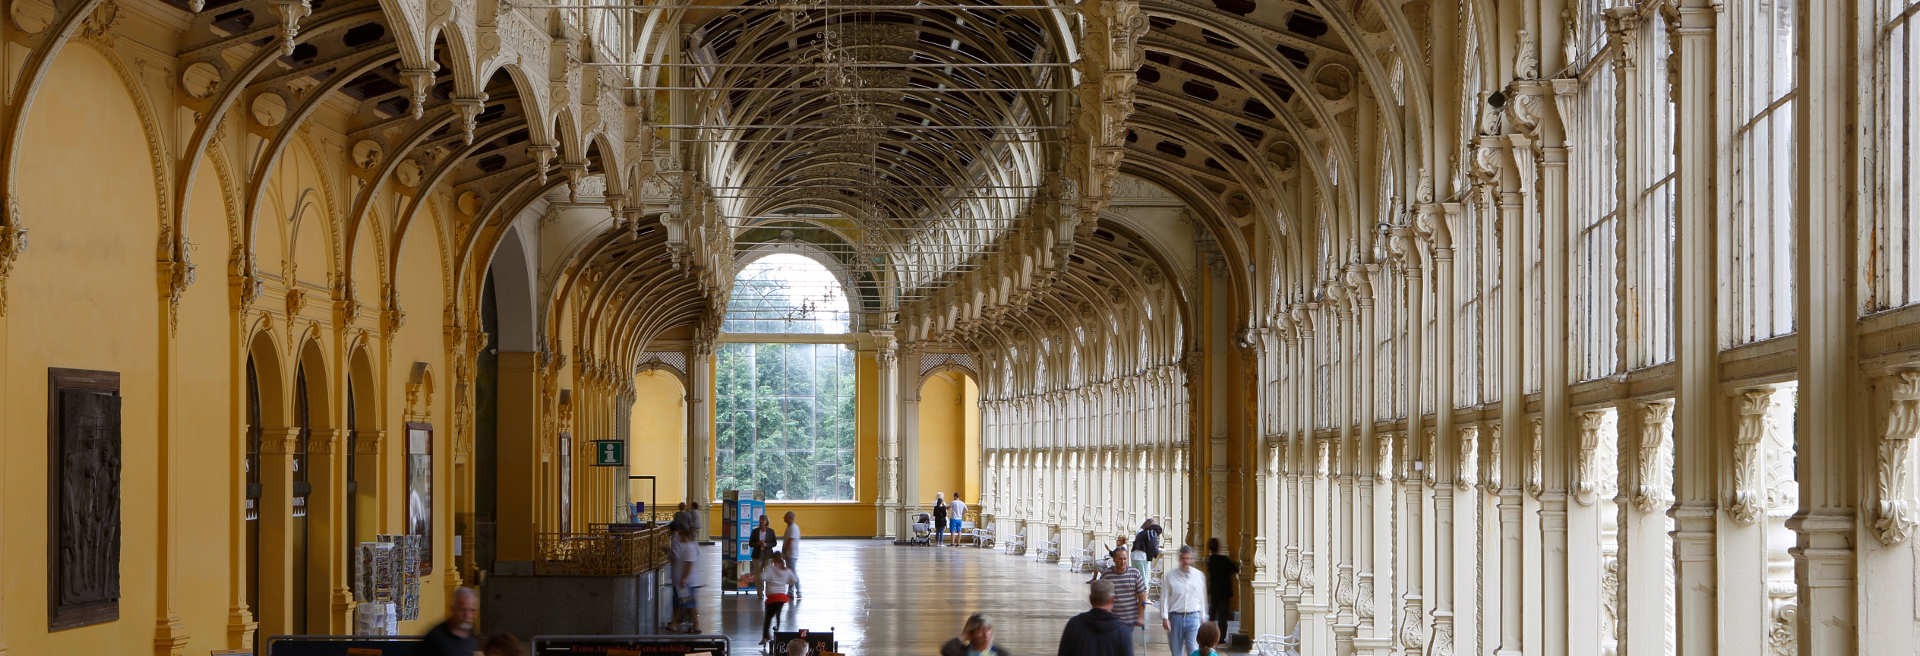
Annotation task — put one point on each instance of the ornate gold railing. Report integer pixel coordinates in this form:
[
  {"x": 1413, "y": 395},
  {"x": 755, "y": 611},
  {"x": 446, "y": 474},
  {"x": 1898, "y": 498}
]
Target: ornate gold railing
[{"x": 601, "y": 553}]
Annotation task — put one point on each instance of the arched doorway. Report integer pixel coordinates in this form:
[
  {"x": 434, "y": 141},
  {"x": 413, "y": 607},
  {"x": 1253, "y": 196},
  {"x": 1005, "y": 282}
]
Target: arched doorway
[
  {"x": 363, "y": 484},
  {"x": 302, "y": 491},
  {"x": 514, "y": 488},
  {"x": 312, "y": 493},
  {"x": 949, "y": 436},
  {"x": 267, "y": 504},
  {"x": 659, "y": 431}
]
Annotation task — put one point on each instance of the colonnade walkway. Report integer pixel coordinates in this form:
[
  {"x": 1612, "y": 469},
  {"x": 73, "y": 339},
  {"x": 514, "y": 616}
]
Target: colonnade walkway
[{"x": 883, "y": 599}]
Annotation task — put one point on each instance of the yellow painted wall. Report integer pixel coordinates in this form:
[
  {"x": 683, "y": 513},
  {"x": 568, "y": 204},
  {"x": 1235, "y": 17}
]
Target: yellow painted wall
[
  {"x": 657, "y": 445},
  {"x": 970, "y": 402},
  {"x": 422, "y": 295},
  {"x": 84, "y": 296},
  {"x": 949, "y": 437},
  {"x": 942, "y": 437},
  {"x": 206, "y": 352}
]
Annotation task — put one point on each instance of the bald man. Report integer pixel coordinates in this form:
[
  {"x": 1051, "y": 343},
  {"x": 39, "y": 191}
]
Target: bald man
[{"x": 454, "y": 636}]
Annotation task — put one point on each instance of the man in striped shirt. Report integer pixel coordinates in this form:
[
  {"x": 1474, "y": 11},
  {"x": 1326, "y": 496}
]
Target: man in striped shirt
[{"x": 1129, "y": 590}]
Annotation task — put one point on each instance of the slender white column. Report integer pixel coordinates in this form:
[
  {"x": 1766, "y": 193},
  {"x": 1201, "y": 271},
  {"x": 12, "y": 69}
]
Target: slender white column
[
  {"x": 1697, "y": 432},
  {"x": 1361, "y": 280},
  {"x": 1411, "y": 521},
  {"x": 887, "y": 502},
  {"x": 1290, "y": 591},
  {"x": 907, "y": 429},
  {"x": 699, "y": 430},
  {"x": 1341, "y": 512},
  {"x": 1514, "y": 580},
  {"x": 1314, "y": 632},
  {"x": 1641, "y": 604},
  {"x": 1841, "y": 559}
]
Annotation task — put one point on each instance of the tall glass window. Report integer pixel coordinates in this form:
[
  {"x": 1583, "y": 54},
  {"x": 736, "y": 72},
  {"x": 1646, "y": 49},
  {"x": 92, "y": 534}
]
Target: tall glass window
[
  {"x": 1596, "y": 223},
  {"x": 1650, "y": 264},
  {"x": 1756, "y": 256},
  {"x": 784, "y": 421},
  {"x": 1894, "y": 267}
]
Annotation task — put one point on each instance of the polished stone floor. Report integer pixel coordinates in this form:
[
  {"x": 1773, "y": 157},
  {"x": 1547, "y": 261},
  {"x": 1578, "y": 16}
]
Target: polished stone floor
[{"x": 887, "y": 600}]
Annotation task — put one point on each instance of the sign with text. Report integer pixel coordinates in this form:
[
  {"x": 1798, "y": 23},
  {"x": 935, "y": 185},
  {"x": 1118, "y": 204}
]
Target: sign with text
[
  {"x": 710, "y": 645},
  {"x": 342, "y": 645},
  {"x": 609, "y": 453}
]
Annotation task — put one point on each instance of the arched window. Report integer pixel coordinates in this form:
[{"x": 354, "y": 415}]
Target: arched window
[
  {"x": 784, "y": 409},
  {"x": 787, "y": 293}
]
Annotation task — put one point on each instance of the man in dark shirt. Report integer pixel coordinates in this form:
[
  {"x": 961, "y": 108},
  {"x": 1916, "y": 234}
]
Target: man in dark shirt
[
  {"x": 454, "y": 636},
  {"x": 1220, "y": 573},
  {"x": 1147, "y": 541},
  {"x": 1097, "y": 632}
]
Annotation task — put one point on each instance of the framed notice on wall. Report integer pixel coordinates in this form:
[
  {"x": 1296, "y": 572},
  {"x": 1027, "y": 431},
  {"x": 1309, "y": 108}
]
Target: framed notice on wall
[{"x": 420, "y": 489}]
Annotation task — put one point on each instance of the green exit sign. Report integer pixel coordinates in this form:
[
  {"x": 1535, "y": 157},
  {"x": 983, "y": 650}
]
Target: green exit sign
[{"x": 609, "y": 453}]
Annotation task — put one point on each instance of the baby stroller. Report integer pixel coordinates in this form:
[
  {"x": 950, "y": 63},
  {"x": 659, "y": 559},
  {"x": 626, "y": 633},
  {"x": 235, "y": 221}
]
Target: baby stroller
[{"x": 922, "y": 529}]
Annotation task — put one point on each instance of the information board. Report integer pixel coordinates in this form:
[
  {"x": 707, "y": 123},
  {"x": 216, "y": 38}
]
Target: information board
[
  {"x": 702, "y": 645},
  {"x": 341, "y": 645},
  {"x": 609, "y": 453},
  {"x": 737, "y": 516}
]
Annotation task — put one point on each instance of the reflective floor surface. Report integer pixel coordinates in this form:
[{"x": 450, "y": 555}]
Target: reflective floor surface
[{"x": 885, "y": 600}]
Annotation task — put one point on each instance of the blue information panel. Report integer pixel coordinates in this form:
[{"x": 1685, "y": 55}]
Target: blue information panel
[{"x": 740, "y": 512}]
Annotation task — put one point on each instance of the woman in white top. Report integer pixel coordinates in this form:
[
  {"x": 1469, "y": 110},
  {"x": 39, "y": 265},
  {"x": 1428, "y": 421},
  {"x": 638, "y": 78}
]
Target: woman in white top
[
  {"x": 778, "y": 581},
  {"x": 791, "y": 547}
]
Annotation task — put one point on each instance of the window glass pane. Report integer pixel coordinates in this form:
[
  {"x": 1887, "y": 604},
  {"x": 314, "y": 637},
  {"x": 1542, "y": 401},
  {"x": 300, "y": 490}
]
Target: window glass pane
[
  {"x": 1894, "y": 267},
  {"x": 1754, "y": 257},
  {"x": 789, "y": 431}
]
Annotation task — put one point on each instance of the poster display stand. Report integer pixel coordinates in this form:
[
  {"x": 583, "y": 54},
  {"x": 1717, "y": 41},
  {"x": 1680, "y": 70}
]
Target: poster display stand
[
  {"x": 386, "y": 583},
  {"x": 740, "y": 510}
]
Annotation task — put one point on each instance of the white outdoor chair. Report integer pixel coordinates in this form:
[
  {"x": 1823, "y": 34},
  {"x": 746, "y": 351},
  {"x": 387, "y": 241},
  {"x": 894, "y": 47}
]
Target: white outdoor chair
[{"x": 1269, "y": 644}]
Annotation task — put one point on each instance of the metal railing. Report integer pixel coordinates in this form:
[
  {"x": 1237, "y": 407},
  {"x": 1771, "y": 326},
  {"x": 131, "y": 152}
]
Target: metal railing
[{"x": 601, "y": 553}]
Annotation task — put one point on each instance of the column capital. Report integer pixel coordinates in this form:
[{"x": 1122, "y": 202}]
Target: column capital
[
  {"x": 279, "y": 441},
  {"x": 323, "y": 440},
  {"x": 369, "y": 442}
]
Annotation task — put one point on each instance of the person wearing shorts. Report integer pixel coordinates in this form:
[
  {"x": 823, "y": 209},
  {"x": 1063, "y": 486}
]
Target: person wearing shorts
[{"x": 956, "y": 511}]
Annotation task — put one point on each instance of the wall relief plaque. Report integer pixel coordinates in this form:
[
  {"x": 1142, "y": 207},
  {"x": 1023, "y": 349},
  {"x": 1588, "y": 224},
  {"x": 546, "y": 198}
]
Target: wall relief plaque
[{"x": 83, "y": 498}]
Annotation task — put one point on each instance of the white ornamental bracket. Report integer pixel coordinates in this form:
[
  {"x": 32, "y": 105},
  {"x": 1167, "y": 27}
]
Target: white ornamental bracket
[{"x": 1894, "y": 519}]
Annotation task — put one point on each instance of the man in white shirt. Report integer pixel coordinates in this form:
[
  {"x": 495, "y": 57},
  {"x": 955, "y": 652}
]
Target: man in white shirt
[
  {"x": 790, "y": 548},
  {"x": 956, "y": 511},
  {"x": 1185, "y": 592}
]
